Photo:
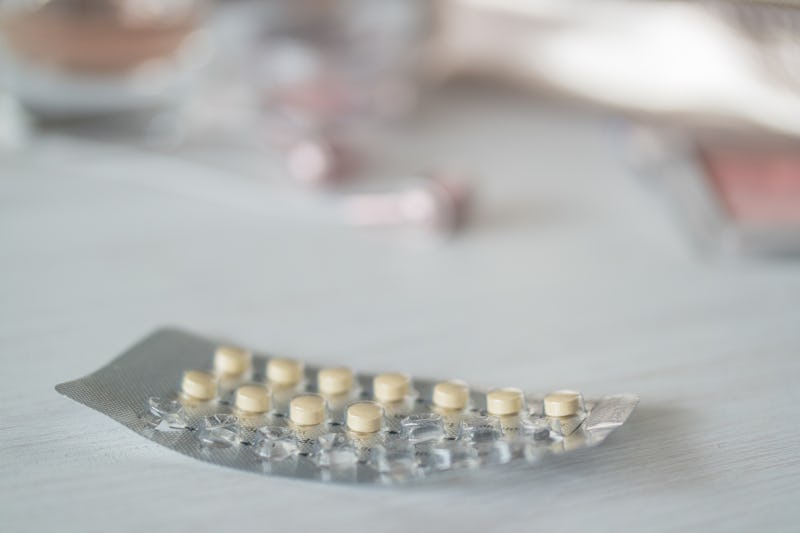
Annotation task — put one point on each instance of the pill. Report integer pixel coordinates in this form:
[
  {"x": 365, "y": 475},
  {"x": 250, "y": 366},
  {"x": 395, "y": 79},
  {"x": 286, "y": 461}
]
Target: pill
[
  {"x": 285, "y": 372},
  {"x": 232, "y": 361},
  {"x": 562, "y": 403},
  {"x": 335, "y": 380},
  {"x": 504, "y": 401},
  {"x": 252, "y": 399},
  {"x": 199, "y": 384},
  {"x": 364, "y": 417},
  {"x": 307, "y": 410},
  {"x": 450, "y": 395},
  {"x": 391, "y": 387}
]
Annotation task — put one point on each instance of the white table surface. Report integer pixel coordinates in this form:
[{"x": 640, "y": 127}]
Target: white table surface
[{"x": 573, "y": 275}]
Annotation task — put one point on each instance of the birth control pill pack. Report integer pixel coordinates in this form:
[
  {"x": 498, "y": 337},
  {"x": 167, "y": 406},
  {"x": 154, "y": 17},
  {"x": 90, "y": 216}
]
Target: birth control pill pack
[{"x": 275, "y": 415}]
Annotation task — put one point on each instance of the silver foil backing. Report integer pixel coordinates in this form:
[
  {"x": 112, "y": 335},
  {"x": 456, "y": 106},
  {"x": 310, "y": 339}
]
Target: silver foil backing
[{"x": 153, "y": 367}]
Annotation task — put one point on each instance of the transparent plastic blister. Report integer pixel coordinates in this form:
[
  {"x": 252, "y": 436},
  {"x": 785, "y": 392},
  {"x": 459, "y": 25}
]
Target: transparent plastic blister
[{"x": 276, "y": 416}]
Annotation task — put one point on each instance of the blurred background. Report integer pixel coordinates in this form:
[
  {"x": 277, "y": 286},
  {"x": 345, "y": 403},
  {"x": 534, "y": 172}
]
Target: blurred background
[{"x": 701, "y": 99}]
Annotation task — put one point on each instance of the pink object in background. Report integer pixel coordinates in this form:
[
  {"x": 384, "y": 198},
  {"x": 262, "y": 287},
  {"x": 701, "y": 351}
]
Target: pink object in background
[
  {"x": 440, "y": 202},
  {"x": 760, "y": 188}
]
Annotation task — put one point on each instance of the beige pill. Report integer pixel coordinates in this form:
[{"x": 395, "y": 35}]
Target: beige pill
[
  {"x": 562, "y": 403},
  {"x": 307, "y": 410},
  {"x": 364, "y": 417},
  {"x": 390, "y": 387},
  {"x": 232, "y": 361},
  {"x": 199, "y": 384},
  {"x": 285, "y": 372},
  {"x": 450, "y": 395},
  {"x": 504, "y": 401},
  {"x": 252, "y": 398},
  {"x": 335, "y": 380}
]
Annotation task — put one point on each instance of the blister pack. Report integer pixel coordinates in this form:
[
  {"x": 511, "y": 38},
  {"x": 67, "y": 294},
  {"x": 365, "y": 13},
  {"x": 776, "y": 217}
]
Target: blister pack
[{"x": 225, "y": 405}]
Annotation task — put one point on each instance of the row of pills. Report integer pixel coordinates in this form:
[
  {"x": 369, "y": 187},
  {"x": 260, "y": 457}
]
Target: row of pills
[{"x": 231, "y": 362}]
